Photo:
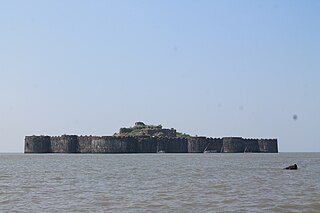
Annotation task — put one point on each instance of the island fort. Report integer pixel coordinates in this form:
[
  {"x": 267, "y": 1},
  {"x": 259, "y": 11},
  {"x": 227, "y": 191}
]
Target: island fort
[{"x": 142, "y": 138}]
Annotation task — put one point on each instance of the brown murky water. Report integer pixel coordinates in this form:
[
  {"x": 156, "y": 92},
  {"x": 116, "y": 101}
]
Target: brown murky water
[{"x": 159, "y": 183}]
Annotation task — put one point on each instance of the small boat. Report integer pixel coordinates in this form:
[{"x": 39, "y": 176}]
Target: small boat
[
  {"x": 206, "y": 149},
  {"x": 246, "y": 150},
  {"x": 160, "y": 150},
  {"x": 210, "y": 151}
]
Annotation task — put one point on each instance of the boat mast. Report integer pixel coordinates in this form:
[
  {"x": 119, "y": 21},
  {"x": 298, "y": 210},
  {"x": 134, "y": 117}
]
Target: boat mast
[{"x": 207, "y": 147}]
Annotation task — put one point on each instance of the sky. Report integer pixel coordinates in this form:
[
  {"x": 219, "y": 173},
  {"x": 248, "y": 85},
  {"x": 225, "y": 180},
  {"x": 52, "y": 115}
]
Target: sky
[{"x": 209, "y": 68}]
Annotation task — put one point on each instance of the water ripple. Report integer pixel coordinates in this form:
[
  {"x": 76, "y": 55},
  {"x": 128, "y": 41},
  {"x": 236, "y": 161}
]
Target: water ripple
[{"x": 159, "y": 183}]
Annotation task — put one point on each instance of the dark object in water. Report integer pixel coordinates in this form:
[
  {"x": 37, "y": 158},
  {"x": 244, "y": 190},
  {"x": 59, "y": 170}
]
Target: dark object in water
[{"x": 292, "y": 167}]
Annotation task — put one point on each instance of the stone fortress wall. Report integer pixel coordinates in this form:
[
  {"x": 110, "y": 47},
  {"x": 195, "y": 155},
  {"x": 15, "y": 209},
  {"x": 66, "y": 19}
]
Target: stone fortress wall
[{"x": 147, "y": 144}]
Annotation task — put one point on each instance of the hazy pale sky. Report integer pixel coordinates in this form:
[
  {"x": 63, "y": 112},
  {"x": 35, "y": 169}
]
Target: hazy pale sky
[{"x": 212, "y": 68}]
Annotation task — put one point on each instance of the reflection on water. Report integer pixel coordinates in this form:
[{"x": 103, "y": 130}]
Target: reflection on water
[{"x": 159, "y": 182}]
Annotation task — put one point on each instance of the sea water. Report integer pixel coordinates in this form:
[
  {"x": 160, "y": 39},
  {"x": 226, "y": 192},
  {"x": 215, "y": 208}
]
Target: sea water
[{"x": 209, "y": 182}]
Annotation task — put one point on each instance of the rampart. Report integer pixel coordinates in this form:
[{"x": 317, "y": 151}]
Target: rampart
[
  {"x": 204, "y": 144},
  {"x": 147, "y": 144},
  {"x": 37, "y": 144}
]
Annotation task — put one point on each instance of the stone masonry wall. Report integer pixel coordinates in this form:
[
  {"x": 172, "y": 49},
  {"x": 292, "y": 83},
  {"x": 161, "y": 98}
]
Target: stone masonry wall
[
  {"x": 202, "y": 144},
  {"x": 233, "y": 145},
  {"x": 268, "y": 145},
  {"x": 110, "y": 144},
  {"x": 65, "y": 144},
  {"x": 37, "y": 144},
  {"x": 251, "y": 145}
]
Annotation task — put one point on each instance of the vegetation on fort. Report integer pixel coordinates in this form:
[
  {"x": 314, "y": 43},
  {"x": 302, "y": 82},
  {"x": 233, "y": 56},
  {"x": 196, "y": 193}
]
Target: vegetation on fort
[
  {"x": 183, "y": 135},
  {"x": 140, "y": 129}
]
